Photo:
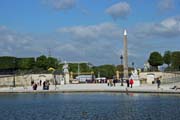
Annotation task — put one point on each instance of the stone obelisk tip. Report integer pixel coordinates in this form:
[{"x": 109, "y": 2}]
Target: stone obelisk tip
[{"x": 125, "y": 32}]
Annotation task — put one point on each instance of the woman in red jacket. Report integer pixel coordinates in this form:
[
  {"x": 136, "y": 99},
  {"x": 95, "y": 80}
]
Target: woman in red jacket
[{"x": 131, "y": 82}]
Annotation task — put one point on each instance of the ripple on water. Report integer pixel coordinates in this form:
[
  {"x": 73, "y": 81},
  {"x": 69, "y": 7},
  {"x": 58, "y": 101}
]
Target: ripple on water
[{"x": 89, "y": 106}]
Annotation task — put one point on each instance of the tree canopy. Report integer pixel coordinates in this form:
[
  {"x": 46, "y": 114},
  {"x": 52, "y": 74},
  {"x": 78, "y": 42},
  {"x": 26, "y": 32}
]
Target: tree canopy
[
  {"x": 7, "y": 62},
  {"x": 41, "y": 62},
  {"x": 167, "y": 58},
  {"x": 25, "y": 63},
  {"x": 155, "y": 60},
  {"x": 176, "y": 60},
  {"x": 107, "y": 71}
]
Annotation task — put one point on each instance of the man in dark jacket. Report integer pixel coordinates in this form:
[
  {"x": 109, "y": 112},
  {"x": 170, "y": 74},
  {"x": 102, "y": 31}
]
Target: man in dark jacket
[
  {"x": 158, "y": 82},
  {"x": 127, "y": 81}
]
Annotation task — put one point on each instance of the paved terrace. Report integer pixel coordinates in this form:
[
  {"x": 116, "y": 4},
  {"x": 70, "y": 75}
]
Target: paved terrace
[{"x": 94, "y": 88}]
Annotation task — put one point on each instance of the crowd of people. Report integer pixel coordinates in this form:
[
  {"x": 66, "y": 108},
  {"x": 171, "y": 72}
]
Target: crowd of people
[
  {"x": 130, "y": 82},
  {"x": 111, "y": 82},
  {"x": 45, "y": 84}
]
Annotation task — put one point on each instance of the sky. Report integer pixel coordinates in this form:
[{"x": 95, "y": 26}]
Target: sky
[{"x": 89, "y": 30}]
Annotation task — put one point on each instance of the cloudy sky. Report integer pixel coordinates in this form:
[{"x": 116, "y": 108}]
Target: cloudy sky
[{"x": 89, "y": 30}]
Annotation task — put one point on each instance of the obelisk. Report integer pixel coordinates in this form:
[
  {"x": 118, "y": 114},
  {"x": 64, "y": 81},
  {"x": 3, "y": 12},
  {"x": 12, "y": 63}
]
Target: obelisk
[{"x": 125, "y": 60}]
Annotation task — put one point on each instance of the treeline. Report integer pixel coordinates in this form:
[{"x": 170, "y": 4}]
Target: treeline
[
  {"x": 171, "y": 59},
  {"x": 9, "y": 64},
  {"x": 41, "y": 64}
]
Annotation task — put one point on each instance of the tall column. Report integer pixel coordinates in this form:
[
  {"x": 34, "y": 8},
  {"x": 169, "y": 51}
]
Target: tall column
[{"x": 125, "y": 60}]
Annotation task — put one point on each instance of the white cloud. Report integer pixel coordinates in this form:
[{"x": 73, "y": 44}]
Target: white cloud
[
  {"x": 13, "y": 43},
  {"x": 61, "y": 4},
  {"x": 95, "y": 43},
  {"x": 103, "y": 30},
  {"x": 119, "y": 10},
  {"x": 168, "y": 28},
  {"x": 165, "y": 5},
  {"x": 99, "y": 43}
]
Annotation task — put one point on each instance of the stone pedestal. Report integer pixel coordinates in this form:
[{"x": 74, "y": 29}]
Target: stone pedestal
[
  {"x": 117, "y": 75},
  {"x": 66, "y": 78},
  {"x": 136, "y": 82},
  {"x": 62, "y": 82}
]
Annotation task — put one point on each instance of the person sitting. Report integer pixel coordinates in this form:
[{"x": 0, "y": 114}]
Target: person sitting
[{"x": 175, "y": 87}]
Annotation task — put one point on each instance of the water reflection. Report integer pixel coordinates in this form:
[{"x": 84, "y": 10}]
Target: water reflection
[{"x": 89, "y": 106}]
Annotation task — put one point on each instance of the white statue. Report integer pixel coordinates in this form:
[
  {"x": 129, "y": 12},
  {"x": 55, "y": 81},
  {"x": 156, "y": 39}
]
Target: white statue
[
  {"x": 146, "y": 66},
  {"x": 135, "y": 77},
  {"x": 134, "y": 74},
  {"x": 65, "y": 67}
]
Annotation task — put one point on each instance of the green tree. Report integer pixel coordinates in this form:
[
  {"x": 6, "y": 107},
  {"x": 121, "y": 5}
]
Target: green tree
[
  {"x": 52, "y": 62},
  {"x": 25, "y": 63},
  {"x": 107, "y": 71},
  {"x": 120, "y": 68},
  {"x": 155, "y": 60},
  {"x": 176, "y": 60},
  {"x": 84, "y": 67},
  {"x": 41, "y": 62},
  {"x": 7, "y": 62},
  {"x": 167, "y": 58}
]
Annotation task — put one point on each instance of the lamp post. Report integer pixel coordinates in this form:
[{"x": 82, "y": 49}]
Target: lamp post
[
  {"x": 132, "y": 65},
  {"x": 14, "y": 73},
  {"x": 121, "y": 57}
]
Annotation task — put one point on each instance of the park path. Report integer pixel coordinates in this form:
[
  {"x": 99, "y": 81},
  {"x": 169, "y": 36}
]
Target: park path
[{"x": 94, "y": 88}]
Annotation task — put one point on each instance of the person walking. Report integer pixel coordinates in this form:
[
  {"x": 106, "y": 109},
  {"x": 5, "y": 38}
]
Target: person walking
[
  {"x": 158, "y": 82},
  {"x": 108, "y": 82},
  {"x": 40, "y": 82},
  {"x": 127, "y": 81},
  {"x": 114, "y": 82},
  {"x": 131, "y": 82}
]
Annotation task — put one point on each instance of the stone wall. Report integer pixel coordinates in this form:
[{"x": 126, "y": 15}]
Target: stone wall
[
  {"x": 166, "y": 77},
  {"x": 25, "y": 80}
]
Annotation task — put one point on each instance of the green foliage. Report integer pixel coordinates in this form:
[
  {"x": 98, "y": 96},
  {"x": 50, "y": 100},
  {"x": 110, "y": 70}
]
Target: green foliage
[
  {"x": 73, "y": 67},
  {"x": 84, "y": 67},
  {"x": 176, "y": 60},
  {"x": 52, "y": 62},
  {"x": 25, "y": 63},
  {"x": 28, "y": 65},
  {"x": 120, "y": 68},
  {"x": 42, "y": 62},
  {"x": 7, "y": 62},
  {"x": 107, "y": 71},
  {"x": 167, "y": 58},
  {"x": 155, "y": 59}
]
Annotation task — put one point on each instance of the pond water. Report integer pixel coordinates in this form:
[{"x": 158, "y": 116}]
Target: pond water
[{"x": 89, "y": 106}]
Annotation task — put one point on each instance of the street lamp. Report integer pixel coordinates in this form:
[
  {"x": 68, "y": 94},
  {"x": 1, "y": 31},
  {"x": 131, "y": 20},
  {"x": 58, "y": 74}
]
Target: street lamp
[
  {"x": 121, "y": 57},
  {"x": 133, "y": 65},
  {"x": 14, "y": 73}
]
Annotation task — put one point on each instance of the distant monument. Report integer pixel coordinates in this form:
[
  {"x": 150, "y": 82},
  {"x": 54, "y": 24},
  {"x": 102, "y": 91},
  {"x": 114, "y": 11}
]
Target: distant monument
[
  {"x": 65, "y": 67},
  {"x": 66, "y": 73},
  {"x": 146, "y": 66},
  {"x": 135, "y": 77},
  {"x": 125, "y": 56}
]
